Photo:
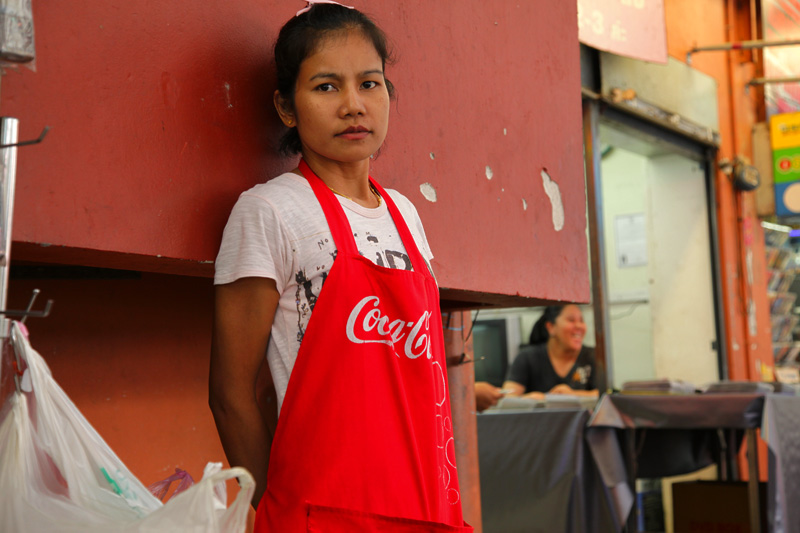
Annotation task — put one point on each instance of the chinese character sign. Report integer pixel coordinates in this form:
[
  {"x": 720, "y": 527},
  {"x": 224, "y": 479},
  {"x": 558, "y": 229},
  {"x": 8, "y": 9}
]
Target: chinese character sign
[
  {"x": 785, "y": 139},
  {"x": 632, "y": 28}
]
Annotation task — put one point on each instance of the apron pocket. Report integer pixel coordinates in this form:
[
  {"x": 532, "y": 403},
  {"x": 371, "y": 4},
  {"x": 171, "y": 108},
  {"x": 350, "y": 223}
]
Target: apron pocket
[{"x": 322, "y": 519}]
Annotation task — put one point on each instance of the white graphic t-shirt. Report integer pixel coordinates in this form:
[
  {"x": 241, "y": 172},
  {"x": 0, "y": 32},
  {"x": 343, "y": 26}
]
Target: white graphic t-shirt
[{"x": 277, "y": 230}]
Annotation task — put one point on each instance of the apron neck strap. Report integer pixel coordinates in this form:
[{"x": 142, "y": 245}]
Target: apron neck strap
[
  {"x": 417, "y": 261},
  {"x": 337, "y": 221},
  {"x": 340, "y": 226}
]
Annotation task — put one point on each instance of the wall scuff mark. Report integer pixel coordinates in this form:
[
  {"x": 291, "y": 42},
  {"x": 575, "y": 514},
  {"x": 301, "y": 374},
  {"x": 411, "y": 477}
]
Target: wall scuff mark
[
  {"x": 428, "y": 192},
  {"x": 489, "y": 172},
  {"x": 228, "y": 95},
  {"x": 554, "y": 193}
]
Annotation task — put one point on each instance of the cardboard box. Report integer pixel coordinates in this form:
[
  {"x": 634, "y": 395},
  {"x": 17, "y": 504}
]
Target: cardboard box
[{"x": 715, "y": 507}]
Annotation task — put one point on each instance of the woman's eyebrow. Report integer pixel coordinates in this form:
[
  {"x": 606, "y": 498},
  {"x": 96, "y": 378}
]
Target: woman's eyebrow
[
  {"x": 325, "y": 75},
  {"x": 334, "y": 76}
]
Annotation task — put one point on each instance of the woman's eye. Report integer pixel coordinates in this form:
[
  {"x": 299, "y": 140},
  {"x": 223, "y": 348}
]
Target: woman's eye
[
  {"x": 369, "y": 84},
  {"x": 325, "y": 87}
]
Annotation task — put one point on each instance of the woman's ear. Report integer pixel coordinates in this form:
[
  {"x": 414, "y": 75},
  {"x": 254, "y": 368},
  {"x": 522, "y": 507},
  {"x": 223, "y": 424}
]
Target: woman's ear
[
  {"x": 549, "y": 326},
  {"x": 284, "y": 109}
]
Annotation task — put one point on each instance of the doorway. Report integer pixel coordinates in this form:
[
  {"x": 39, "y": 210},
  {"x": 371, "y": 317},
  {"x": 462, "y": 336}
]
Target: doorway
[{"x": 659, "y": 269}]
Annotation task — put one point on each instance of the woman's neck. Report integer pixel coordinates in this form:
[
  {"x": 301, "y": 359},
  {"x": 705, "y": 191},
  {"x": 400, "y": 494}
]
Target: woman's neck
[
  {"x": 350, "y": 180},
  {"x": 557, "y": 350}
]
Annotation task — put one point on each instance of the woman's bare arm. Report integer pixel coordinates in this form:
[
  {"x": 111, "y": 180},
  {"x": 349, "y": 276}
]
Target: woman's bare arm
[
  {"x": 566, "y": 389},
  {"x": 244, "y": 311},
  {"x": 512, "y": 388}
]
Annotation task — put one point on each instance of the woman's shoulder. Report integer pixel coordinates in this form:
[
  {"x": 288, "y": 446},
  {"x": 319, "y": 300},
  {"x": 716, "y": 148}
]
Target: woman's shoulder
[
  {"x": 533, "y": 352},
  {"x": 402, "y": 202},
  {"x": 280, "y": 187},
  {"x": 287, "y": 196},
  {"x": 398, "y": 197}
]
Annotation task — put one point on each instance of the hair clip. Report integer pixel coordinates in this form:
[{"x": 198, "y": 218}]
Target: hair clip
[{"x": 311, "y": 3}]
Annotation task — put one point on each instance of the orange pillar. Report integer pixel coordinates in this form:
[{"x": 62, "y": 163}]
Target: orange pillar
[{"x": 461, "y": 377}]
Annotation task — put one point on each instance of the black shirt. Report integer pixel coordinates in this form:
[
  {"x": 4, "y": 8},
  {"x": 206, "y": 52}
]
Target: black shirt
[{"x": 532, "y": 368}]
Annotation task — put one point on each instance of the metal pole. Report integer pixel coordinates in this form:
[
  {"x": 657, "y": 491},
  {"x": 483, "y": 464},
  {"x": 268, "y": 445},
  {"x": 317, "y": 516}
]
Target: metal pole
[
  {"x": 594, "y": 202},
  {"x": 752, "y": 481},
  {"x": 632, "y": 523},
  {"x": 765, "y": 81},
  {"x": 716, "y": 264},
  {"x": 741, "y": 45},
  {"x": 9, "y": 128}
]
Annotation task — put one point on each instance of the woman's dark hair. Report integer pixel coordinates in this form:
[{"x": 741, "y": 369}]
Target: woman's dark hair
[
  {"x": 539, "y": 334},
  {"x": 300, "y": 37}
]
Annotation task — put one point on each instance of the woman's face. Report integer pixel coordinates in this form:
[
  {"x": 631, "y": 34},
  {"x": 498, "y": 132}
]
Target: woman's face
[
  {"x": 569, "y": 328},
  {"x": 341, "y": 103}
]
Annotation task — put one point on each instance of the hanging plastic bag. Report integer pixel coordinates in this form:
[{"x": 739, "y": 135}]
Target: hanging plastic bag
[
  {"x": 57, "y": 474},
  {"x": 159, "y": 489}
]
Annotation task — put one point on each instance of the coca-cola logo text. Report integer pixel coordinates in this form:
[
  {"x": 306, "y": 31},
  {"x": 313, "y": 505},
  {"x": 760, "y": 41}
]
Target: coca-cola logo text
[{"x": 368, "y": 324}]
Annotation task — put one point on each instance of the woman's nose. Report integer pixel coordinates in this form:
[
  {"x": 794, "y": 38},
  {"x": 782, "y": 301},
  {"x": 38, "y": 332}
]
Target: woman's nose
[{"x": 352, "y": 103}]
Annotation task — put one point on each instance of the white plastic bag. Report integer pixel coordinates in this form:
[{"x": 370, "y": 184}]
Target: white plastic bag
[{"x": 57, "y": 474}]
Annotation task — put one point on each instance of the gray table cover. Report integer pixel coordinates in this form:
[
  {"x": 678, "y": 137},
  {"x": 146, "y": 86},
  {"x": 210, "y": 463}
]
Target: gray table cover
[
  {"x": 781, "y": 430},
  {"x": 777, "y": 415},
  {"x": 691, "y": 411},
  {"x": 537, "y": 475}
]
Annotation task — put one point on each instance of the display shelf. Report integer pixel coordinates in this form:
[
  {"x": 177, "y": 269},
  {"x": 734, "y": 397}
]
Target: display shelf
[
  {"x": 782, "y": 268},
  {"x": 785, "y": 352},
  {"x": 781, "y": 280},
  {"x": 781, "y": 303}
]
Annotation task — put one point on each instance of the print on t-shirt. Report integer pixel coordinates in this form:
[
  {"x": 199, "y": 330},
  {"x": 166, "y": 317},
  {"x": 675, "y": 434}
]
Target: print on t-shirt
[
  {"x": 582, "y": 374},
  {"x": 306, "y": 299},
  {"x": 307, "y": 292},
  {"x": 386, "y": 258}
]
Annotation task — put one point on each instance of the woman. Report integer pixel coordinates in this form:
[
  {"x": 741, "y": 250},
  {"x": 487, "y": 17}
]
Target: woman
[
  {"x": 556, "y": 361},
  {"x": 364, "y": 437}
]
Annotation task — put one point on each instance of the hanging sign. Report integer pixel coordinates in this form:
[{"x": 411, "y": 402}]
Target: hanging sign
[
  {"x": 632, "y": 28},
  {"x": 781, "y": 22},
  {"x": 785, "y": 140}
]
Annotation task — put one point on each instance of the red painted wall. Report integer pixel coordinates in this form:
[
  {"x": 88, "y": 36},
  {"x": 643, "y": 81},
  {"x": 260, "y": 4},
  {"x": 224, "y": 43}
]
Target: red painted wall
[
  {"x": 161, "y": 115},
  {"x": 133, "y": 356}
]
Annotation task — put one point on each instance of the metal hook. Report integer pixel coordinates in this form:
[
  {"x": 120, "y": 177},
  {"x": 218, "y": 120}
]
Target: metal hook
[
  {"x": 27, "y": 312},
  {"x": 26, "y": 143},
  {"x": 30, "y": 304}
]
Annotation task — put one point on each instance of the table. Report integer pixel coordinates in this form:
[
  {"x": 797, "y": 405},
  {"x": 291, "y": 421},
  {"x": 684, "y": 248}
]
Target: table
[
  {"x": 781, "y": 429},
  {"x": 699, "y": 414},
  {"x": 537, "y": 475}
]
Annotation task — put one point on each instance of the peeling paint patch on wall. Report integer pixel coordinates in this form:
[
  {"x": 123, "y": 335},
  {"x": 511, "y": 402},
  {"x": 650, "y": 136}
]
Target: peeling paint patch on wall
[
  {"x": 554, "y": 193},
  {"x": 228, "y": 95},
  {"x": 432, "y": 156},
  {"x": 524, "y": 205},
  {"x": 428, "y": 192},
  {"x": 489, "y": 172}
]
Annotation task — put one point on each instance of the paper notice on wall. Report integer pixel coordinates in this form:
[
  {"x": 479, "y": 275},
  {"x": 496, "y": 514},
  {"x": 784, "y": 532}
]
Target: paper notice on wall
[{"x": 630, "y": 233}]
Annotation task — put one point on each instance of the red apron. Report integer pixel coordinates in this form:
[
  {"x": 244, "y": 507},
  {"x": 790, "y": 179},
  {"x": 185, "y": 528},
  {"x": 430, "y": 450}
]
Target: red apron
[{"x": 365, "y": 440}]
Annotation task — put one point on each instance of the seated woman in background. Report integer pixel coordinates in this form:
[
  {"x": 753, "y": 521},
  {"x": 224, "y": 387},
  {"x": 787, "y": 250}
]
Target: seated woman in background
[{"x": 556, "y": 361}]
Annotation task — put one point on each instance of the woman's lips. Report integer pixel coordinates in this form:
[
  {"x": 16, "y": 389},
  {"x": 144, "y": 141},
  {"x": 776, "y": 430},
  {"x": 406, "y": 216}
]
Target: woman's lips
[{"x": 354, "y": 133}]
